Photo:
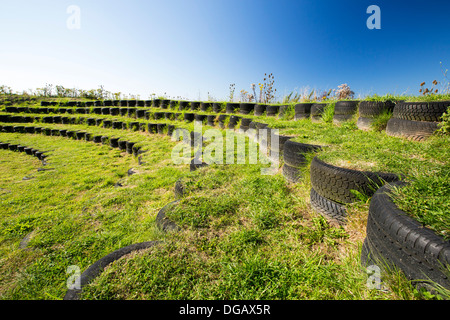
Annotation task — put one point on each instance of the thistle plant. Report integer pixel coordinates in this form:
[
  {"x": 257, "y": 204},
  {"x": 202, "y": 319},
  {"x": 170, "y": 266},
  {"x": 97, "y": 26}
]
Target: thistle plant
[
  {"x": 232, "y": 88},
  {"x": 267, "y": 89},
  {"x": 427, "y": 91},
  {"x": 344, "y": 92}
]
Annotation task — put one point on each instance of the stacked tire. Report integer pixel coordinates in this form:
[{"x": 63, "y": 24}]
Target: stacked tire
[
  {"x": 294, "y": 158},
  {"x": 333, "y": 187},
  {"x": 369, "y": 110},
  {"x": 317, "y": 111},
  {"x": 394, "y": 239},
  {"x": 302, "y": 111},
  {"x": 344, "y": 111},
  {"x": 416, "y": 120}
]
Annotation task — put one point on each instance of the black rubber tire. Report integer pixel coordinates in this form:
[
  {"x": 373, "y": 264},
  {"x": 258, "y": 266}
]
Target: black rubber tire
[
  {"x": 63, "y": 133},
  {"x": 200, "y": 117},
  {"x": 421, "y": 111},
  {"x": 19, "y": 129},
  {"x": 114, "y": 111},
  {"x": 173, "y": 104},
  {"x": 114, "y": 142},
  {"x": 246, "y": 108},
  {"x": 164, "y": 223},
  {"x": 117, "y": 125},
  {"x": 134, "y": 126},
  {"x": 409, "y": 129},
  {"x": 317, "y": 109},
  {"x": 371, "y": 109},
  {"x": 169, "y": 115},
  {"x": 131, "y": 112},
  {"x": 161, "y": 127},
  {"x": 130, "y": 147},
  {"x": 210, "y": 120},
  {"x": 233, "y": 121},
  {"x": 340, "y": 118},
  {"x": 107, "y": 123},
  {"x": 232, "y": 107},
  {"x": 393, "y": 237},
  {"x": 294, "y": 152},
  {"x": 152, "y": 128},
  {"x": 179, "y": 189},
  {"x": 183, "y": 105},
  {"x": 156, "y": 103},
  {"x": 97, "y": 110},
  {"x": 94, "y": 270},
  {"x": 122, "y": 145},
  {"x": 170, "y": 129},
  {"x": 148, "y": 103},
  {"x": 97, "y": 139},
  {"x": 55, "y": 132},
  {"x": 221, "y": 120},
  {"x": 272, "y": 111},
  {"x": 364, "y": 123},
  {"x": 29, "y": 129},
  {"x": 206, "y": 106},
  {"x": 303, "y": 109},
  {"x": 108, "y": 103},
  {"x": 329, "y": 209},
  {"x": 260, "y": 109},
  {"x": 189, "y": 117},
  {"x": 158, "y": 115},
  {"x": 291, "y": 174},
  {"x": 194, "y": 166},
  {"x": 123, "y": 111},
  {"x": 98, "y": 122},
  {"x": 217, "y": 107},
  {"x": 336, "y": 183},
  {"x": 164, "y": 103},
  {"x": 140, "y": 113},
  {"x": 346, "y": 107},
  {"x": 80, "y": 135},
  {"x": 195, "y": 105}
]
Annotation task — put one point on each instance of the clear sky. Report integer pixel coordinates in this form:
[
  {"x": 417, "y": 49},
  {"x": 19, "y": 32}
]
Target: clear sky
[{"x": 191, "y": 47}]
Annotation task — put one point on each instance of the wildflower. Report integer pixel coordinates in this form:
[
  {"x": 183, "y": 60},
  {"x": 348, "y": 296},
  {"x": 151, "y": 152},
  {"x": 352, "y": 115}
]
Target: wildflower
[{"x": 422, "y": 84}]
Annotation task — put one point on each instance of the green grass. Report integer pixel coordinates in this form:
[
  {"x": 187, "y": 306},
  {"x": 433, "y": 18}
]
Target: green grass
[{"x": 244, "y": 235}]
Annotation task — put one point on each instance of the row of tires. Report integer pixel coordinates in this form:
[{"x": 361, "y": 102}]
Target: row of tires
[
  {"x": 114, "y": 142},
  {"x": 27, "y": 150},
  {"x": 331, "y": 190},
  {"x": 412, "y": 120}
]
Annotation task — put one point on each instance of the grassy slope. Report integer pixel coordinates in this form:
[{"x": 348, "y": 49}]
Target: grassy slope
[{"x": 245, "y": 235}]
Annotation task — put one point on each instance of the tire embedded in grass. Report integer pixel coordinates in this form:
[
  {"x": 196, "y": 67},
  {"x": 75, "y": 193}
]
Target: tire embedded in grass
[
  {"x": 260, "y": 109},
  {"x": 331, "y": 210},
  {"x": 336, "y": 183},
  {"x": 394, "y": 239}
]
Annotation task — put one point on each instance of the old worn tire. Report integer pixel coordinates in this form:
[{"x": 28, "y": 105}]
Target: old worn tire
[
  {"x": 294, "y": 152},
  {"x": 371, "y": 109},
  {"x": 346, "y": 107},
  {"x": 364, "y": 123},
  {"x": 335, "y": 183},
  {"x": 396, "y": 239},
  {"x": 421, "y": 111},
  {"x": 410, "y": 129},
  {"x": 329, "y": 209},
  {"x": 291, "y": 174}
]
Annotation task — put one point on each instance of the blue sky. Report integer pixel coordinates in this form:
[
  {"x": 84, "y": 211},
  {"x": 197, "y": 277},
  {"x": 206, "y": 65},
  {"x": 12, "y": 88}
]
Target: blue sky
[{"x": 188, "y": 48}]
